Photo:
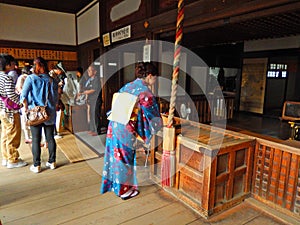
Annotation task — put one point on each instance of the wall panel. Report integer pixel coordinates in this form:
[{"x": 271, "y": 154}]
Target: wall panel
[
  {"x": 37, "y": 26},
  {"x": 88, "y": 25}
]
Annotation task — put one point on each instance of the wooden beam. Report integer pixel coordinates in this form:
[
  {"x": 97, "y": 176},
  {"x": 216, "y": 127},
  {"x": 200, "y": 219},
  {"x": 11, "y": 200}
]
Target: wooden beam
[{"x": 206, "y": 14}]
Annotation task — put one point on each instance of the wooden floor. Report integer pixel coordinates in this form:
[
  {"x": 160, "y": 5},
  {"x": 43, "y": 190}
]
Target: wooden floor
[{"x": 70, "y": 195}]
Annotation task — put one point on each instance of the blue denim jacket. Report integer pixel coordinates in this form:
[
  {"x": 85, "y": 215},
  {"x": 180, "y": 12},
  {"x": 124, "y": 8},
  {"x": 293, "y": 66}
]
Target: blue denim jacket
[{"x": 35, "y": 91}]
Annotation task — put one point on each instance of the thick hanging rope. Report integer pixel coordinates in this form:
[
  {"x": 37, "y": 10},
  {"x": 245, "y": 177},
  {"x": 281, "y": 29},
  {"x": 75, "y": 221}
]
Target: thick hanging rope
[
  {"x": 168, "y": 157},
  {"x": 177, "y": 51}
]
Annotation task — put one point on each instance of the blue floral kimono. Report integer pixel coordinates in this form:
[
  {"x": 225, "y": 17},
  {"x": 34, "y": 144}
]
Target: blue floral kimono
[{"x": 119, "y": 169}]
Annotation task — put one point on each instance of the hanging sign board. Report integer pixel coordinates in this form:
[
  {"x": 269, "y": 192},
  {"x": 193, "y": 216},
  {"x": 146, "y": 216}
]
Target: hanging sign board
[
  {"x": 106, "y": 39},
  {"x": 147, "y": 53},
  {"x": 121, "y": 34}
]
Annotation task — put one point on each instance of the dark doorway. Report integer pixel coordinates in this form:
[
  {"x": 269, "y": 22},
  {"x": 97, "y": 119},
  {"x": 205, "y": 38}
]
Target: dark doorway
[{"x": 274, "y": 98}]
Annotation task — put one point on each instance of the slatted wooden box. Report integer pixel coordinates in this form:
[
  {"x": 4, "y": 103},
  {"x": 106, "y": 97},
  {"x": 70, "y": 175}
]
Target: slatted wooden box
[
  {"x": 76, "y": 118},
  {"x": 213, "y": 166},
  {"x": 276, "y": 175}
]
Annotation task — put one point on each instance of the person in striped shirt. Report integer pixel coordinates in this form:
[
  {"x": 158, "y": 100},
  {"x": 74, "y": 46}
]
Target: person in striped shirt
[{"x": 10, "y": 119}]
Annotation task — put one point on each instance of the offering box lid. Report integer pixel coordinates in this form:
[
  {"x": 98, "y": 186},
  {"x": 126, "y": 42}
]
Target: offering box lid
[{"x": 207, "y": 136}]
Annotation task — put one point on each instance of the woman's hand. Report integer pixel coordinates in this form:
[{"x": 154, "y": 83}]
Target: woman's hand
[
  {"x": 79, "y": 94},
  {"x": 61, "y": 83}
]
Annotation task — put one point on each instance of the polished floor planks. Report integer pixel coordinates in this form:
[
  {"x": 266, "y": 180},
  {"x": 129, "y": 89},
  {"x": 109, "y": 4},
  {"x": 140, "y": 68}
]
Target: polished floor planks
[{"x": 70, "y": 195}]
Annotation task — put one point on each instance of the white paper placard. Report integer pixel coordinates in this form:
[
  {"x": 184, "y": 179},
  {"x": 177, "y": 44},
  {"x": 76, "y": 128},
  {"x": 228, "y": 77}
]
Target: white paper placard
[
  {"x": 147, "y": 53},
  {"x": 121, "y": 34}
]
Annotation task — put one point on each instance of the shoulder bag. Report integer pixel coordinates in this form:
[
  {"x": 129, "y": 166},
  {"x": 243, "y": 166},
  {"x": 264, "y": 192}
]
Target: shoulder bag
[
  {"x": 10, "y": 104},
  {"x": 38, "y": 114}
]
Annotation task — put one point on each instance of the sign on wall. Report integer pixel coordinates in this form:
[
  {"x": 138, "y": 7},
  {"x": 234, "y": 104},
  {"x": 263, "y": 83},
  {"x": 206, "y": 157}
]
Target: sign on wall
[
  {"x": 147, "y": 53},
  {"x": 106, "y": 39},
  {"x": 23, "y": 53},
  {"x": 121, "y": 34}
]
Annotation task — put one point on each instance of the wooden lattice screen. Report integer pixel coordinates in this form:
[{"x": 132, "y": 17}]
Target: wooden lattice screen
[{"x": 276, "y": 177}]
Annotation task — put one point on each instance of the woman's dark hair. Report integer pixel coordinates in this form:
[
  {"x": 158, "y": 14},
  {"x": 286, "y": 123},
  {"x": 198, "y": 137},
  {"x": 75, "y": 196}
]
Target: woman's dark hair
[
  {"x": 143, "y": 69},
  {"x": 5, "y": 60},
  {"x": 42, "y": 63},
  {"x": 26, "y": 70},
  {"x": 80, "y": 70}
]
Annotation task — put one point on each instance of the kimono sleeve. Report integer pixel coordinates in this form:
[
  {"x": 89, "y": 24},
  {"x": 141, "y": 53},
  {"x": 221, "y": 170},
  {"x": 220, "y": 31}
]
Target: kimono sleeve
[{"x": 149, "y": 119}]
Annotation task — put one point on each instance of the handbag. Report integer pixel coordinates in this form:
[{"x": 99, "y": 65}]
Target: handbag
[
  {"x": 38, "y": 114},
  {"x": 10, "y": 104}
]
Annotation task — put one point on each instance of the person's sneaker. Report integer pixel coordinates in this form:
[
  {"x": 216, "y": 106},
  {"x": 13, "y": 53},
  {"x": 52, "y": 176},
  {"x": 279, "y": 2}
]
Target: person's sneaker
[
  {"x": 18, "y": 164},
  {"x": 28, "y": 141},
  {"x": 45, "y": 144},
  {"x": 4, "y": 162},
  {"x": 35, "y": 169},
  {"x": 52, "y": 166}
]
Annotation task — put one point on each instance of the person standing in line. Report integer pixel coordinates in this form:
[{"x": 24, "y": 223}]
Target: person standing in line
[
  {"x": 40, "y": 89},
  {"x": 79, "y": 74},
  {"x": 71, "y": 88},
  {"x": 80, "y": 80},
  {"x": 58, "y": 73},
  {"x": 14, "y": 70},
  {"x": 10, "y": 119},
  {"x": 91, "y": 91},
  {"x": 19, "y": 85},
  {"x": 119, "y": 169}
]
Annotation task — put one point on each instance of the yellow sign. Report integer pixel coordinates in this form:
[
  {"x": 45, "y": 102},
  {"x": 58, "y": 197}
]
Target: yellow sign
[{"x": 106, "y": 39}]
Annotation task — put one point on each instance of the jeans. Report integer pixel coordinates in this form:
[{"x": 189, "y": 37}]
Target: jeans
[{"x": 36, "y": 132}]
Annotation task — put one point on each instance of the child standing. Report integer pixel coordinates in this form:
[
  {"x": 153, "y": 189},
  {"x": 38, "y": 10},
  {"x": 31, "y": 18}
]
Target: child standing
[{"x": 19, "y": 85}]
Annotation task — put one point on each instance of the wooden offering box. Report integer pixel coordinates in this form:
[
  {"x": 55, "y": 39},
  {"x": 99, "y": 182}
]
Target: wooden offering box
[
  {"x": 213, "y": 166},
  {"x": 76, "y": 118}
]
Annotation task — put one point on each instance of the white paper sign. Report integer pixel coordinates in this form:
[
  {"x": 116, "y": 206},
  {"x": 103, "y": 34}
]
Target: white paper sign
[
  {"x": 121, "y": 34},
  {"x": 147, "y": 53}
]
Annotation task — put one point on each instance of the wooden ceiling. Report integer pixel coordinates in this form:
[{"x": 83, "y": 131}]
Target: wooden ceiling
[
  {"x": 268, "y": 27},
  {"x": 267, "y": 23}
]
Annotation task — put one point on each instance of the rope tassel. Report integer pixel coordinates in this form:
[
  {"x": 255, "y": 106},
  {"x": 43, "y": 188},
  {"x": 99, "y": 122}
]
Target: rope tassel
[
  {"x": 168, "y": 157},
  {"x": 166, "y": 169}
]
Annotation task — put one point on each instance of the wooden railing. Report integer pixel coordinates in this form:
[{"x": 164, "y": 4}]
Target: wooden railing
[
  {"x": 203, "y": 109},
  {"x": 276, "y": 174}
]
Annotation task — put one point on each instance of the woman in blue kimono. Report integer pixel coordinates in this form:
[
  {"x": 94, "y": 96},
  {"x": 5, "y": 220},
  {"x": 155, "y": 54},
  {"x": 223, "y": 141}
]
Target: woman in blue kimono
[{"x": 119, "y": 170}]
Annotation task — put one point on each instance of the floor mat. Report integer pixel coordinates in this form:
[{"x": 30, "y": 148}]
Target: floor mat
[
  {"x": 96, "y": 143},
  {"x": 74, "y": 149}
]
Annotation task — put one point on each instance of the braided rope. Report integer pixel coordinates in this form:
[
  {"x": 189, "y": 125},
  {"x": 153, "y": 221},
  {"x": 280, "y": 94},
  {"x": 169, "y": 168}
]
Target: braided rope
[{"x": 177, "y": 51}]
